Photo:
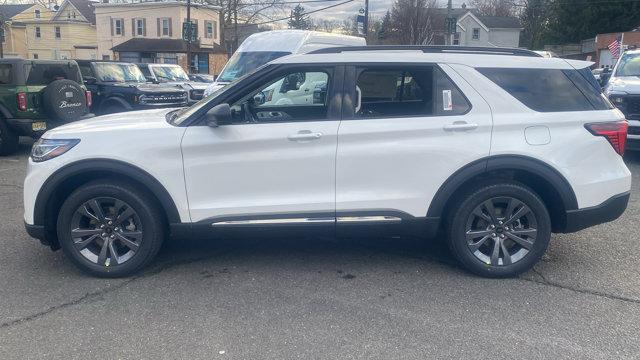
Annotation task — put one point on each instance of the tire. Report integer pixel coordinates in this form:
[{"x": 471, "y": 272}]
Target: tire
[
  {"x": 64, "y": 100},
  {"x": 520, "y": 229},
  {"x": 8, "y": 139},
  {"x": 135, "y": 236}
]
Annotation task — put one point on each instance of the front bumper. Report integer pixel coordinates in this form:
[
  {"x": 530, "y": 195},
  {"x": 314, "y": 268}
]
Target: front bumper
[{"x": 609, "y": 210}]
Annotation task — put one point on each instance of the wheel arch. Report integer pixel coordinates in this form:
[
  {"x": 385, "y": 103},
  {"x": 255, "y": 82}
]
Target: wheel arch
[
  {"x": 4, "y": 112},
  {"x": 115, "y": 100},
  {"x": 547, "y": 182},
  {"x": 70, "y": 177}
]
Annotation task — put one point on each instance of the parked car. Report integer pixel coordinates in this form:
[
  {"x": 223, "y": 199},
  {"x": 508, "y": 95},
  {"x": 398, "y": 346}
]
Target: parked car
[
  {"x": 260, "y": 48},
  {"x": 120, "y": 86},
  {"x": 203, "y": 78},
  {"x": 169, "y": 74},
  {"x": 36, "y": 95},
  {"x": 487, "y": 146},
  {"x": 623, "y": 89}
]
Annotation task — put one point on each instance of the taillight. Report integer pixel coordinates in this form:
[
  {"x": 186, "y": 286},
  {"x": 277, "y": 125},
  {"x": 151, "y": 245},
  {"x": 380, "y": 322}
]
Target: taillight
[
  {"x": 89, "y": 98},
  {"x": 22, "y": 101},
  {"x": 614, "y": 132}
]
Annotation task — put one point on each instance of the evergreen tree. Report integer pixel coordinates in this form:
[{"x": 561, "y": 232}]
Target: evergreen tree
[
  {"x": 299, "y": 20},
  {"x": 384, "y": 31}
]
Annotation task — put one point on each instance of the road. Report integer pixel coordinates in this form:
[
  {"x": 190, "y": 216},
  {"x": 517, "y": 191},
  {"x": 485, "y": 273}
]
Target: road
[{"x": 320, "y": 298}]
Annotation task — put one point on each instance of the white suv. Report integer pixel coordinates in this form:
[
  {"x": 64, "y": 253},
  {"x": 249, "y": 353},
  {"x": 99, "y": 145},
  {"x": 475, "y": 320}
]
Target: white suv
[{"x": 497, "y": 147}]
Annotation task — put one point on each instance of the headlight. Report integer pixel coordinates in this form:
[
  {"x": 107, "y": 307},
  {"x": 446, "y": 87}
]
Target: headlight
[
  {"x": 45, "y": 149},
  {"x": 616, "y": 99}
]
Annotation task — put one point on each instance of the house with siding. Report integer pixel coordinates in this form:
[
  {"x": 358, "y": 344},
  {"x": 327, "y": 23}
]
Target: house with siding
[
  {"x": 151, "y": 32},
  {"x": 473, "y": 29},
  {"x": 14, "y": 42},
  {"x": 68, "y": 33}
]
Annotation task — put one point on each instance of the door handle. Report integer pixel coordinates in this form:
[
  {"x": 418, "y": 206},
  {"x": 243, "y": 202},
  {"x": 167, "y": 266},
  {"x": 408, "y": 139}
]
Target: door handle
[
  {"x": 305, "y": 135},
  {"x": 460, "y": 126}
]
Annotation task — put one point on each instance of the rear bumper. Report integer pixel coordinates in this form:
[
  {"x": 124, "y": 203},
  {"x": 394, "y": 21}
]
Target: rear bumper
[
  {"x": 609, "y": 210},
  {"x": 24, "y": 127}
]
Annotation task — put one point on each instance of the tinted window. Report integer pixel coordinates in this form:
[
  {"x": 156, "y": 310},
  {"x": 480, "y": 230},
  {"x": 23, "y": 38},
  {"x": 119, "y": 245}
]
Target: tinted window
[
  {"x": 588, "y": 85},
  {"x": 403, "y": 92},
  {"x": 43, "y": 74},
  {"x": 449, "y": 99},
  {"x": 544, "y": 90},
  {"x": 295, "y": 96},
  {"x": 6, "y": 75}
]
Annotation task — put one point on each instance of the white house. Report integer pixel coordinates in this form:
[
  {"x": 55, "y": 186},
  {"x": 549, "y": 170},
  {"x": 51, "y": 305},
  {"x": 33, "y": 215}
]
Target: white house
[{"x": 474, "y": 29}]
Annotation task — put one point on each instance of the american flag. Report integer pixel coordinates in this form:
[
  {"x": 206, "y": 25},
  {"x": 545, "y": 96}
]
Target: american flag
[{"x": 614, "y": 47}]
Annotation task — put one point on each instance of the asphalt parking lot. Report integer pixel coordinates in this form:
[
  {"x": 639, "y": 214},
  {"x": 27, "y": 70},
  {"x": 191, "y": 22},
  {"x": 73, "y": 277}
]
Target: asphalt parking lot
[{"x": 320, "y": 298}]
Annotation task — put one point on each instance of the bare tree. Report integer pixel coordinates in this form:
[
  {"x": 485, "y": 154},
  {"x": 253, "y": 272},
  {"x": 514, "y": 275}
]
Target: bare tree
[
  {"x": 413, "y": 21},
  {"x": 495, "y": 7},
  {"x": 535, "y": 19}
]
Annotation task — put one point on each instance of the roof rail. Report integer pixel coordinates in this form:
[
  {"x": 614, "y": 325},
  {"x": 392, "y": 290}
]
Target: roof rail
[{"x": 432, "y": 49}]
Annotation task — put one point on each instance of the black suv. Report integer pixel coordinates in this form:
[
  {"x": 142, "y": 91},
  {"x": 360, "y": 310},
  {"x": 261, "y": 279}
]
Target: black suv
[
  {"x": 121, "y": 86},
  {"x": 36, "y": 95}
]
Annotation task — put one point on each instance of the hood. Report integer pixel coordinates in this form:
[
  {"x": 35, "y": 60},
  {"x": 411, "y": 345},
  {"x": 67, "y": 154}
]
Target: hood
[
  {"x": 129, "y": 121},
  {"x": 626, "y": 84},
  {"x": 186, "y": 85},
  {"x": 150, "y": 88}
]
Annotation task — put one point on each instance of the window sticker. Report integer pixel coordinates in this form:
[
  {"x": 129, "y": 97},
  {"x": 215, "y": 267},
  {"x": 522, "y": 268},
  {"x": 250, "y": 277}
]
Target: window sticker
[{"x": 447, "y": 103}]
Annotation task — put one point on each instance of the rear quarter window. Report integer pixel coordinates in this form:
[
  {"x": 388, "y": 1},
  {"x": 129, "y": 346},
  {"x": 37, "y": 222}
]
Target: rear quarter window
[
  {"x": 549, "y": 90},
  {"x": 6, "y": 74}
]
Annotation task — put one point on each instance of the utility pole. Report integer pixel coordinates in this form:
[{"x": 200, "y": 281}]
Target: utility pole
[
  {"x": 366, "y": 18},
  {"x": 190, "y": 27},
  {"x": 448, "y": 25},
  {"x": 2, "y": 35}
]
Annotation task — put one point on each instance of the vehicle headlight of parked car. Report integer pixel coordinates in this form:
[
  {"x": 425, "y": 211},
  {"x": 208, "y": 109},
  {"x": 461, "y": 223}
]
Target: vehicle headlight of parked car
[{"x": 46, "y": 149}]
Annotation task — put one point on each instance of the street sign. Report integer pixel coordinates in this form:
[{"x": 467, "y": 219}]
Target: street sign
[
  {"x": 189, "y": 29},
  {"x": 450, "y": 25},
  {"x": 360, "y": 24}
]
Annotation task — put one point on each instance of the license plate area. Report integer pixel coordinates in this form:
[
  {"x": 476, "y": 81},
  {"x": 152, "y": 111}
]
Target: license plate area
[{"x": 39, "y": 126}]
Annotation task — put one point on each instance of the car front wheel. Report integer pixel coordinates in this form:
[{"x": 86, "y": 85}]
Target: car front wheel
[
  {"x": 109, "y": 228},
  {"x": 499, "y": 230}
]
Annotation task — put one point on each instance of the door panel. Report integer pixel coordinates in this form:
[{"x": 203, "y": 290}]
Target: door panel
[
  {"x": 275, "y": 162},
  {"x": 399, "y": 163}
]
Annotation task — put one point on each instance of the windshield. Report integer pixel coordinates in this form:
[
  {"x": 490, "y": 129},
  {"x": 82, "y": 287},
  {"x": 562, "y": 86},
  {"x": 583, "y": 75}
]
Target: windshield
[
  {"x": 170, "y": 73},
  {"x": 629, "y": 65},
  {"x": 242, "y": 63},
  {"x": 112, "y": 72}
]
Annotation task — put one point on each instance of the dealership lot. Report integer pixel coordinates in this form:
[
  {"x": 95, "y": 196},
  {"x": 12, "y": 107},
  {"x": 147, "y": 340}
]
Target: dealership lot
[{"x": 314, "y": 298}]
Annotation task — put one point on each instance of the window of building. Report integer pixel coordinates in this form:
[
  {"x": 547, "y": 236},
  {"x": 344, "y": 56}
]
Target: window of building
[
  {"x": 166, "y": 27},
  {"x": 139, "y": 27},
  {"x": 106, "y": 57},
  {"x": 456, "y": 38},
  {"x": 476, "y": 34},
  {"x": 57, "y": 31},
  {"x": 36, "y": 13},
  {"x": 209, "y": 29},
  {"x": 547, "y": 90},
  {"x": 35, "y": 56},
  {"x": 118, "y": 27},
  {"x": 401, "y": 92},
  {"x": 38, "y": 35}
]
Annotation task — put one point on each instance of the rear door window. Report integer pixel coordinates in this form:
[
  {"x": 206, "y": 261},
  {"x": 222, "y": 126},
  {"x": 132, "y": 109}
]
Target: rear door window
[
  {"x": 548, "y": 90},
  {"x": 407, "y": 91}
]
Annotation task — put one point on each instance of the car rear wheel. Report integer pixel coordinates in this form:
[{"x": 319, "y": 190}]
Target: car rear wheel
[
  {"x": 8, "y": 139},
  {"x": 499, "y": 230},
  {"x": 110, "y": 229}
]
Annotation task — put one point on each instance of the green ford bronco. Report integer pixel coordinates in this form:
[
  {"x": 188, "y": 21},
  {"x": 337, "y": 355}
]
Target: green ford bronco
[{"x": 36, "y": 95}]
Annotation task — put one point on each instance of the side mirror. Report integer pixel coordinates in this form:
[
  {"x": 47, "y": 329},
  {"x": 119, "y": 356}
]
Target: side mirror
[
  {"x": 89, "y": 80},
  {"x": 218, "y": 115},
  {"x": 604, "y": 78}
]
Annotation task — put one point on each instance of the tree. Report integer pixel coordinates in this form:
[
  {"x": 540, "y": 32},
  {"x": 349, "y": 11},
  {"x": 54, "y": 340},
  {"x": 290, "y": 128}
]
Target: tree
[
  {"x": 573, "y": 21},
  {"x": 535, "y": 19},
  {"x": 413, "y": 21},
  {"x": 495, "y": 7},
  {"x": 384, "y": 31},
  {"x": 299, "y": 20}
]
